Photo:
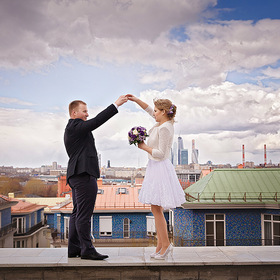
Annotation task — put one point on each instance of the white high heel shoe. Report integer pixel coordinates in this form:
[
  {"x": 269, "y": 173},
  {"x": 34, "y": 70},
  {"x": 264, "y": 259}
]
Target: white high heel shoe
[
  {"x": 163, "y": 256},
  {"x": 155, "y": 254}
]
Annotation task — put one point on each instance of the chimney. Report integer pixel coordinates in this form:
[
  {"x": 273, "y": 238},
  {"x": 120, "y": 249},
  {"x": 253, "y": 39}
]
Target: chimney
[
  {"x": 264, "y": 154},
  {"x": 243, "y": 156}
]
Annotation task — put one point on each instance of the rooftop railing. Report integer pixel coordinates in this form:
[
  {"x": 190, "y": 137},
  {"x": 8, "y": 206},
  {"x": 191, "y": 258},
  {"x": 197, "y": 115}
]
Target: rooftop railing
[
  {"x": 7, "y": 229},
  {"x": 233, "y": 197},
  {"x": 121, "y": 205},
  {"x": 32, "y": 229},
  {"x": 226, "y": 242}
]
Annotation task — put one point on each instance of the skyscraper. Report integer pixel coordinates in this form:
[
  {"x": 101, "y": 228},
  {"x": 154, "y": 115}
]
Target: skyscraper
[
  {"x": 54, "y": 165},
  {"x": 194, "y": 153},
  {"x": 174, "y": 154},
  {"x": 180, "y": 147},
  {"x": 184, "y": 156}
]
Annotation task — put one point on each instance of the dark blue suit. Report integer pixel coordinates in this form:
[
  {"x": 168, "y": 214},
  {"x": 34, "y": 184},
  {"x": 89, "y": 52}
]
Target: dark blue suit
[{"x": 82, "y": 172}]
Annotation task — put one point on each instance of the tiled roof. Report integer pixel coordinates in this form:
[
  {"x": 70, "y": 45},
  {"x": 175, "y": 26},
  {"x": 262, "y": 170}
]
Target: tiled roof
[
  {"x": 110, "y": 198},
  {"x": 6, "y": 202},
  {"x": 3, "y": 199},
  {"x": 237, "y": 185},
  {"x": 23, "y": 207},
  {"x": 47, "y": 201}
]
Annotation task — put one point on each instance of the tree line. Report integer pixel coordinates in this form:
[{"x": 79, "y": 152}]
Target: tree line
[{"x": 26, "y": 186}]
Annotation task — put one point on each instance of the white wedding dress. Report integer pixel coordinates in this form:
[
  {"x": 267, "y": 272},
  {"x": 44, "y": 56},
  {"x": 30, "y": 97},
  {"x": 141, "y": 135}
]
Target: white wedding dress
[{"x": 161, "y": 185}]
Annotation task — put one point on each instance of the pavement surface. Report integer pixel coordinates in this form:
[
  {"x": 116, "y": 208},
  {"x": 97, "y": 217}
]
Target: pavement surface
[{"x": 140, "y": 256}]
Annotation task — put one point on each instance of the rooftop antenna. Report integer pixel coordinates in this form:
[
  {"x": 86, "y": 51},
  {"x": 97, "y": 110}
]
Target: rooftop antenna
[
  {"x": 243, "y": 156},
  {"x": 264, "y": 154}
]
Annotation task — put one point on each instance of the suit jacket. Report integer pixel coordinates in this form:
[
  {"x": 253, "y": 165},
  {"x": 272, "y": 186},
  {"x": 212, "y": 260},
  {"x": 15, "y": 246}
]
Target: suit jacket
[{"x": 80, "y": 145}]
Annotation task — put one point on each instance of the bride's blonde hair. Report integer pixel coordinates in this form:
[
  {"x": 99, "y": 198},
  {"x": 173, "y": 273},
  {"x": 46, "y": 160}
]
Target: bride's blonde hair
[{"x": 166, "y": 104}]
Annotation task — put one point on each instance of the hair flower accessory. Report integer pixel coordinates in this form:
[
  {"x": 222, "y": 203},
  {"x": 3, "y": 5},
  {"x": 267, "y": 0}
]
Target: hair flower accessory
[
  {"x": 137, "y": 134},
  {"x": 170, "y": 110}
]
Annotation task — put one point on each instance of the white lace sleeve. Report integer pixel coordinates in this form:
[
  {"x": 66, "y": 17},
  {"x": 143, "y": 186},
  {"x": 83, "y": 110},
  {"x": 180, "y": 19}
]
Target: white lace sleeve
[
  {"x": 150, "y": 111},
  {"x": 164, "y": 138}
]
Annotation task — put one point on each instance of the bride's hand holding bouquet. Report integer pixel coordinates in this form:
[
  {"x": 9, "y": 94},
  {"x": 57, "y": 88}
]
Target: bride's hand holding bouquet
[{"x": 137, "y": 135}]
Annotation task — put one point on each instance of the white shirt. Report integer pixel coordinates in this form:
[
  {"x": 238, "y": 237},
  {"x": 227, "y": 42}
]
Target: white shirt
[{"x": 160, "y": 138}]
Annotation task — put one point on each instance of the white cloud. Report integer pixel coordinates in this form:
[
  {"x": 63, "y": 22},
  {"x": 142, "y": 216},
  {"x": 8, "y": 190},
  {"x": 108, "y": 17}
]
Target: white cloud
[
  {"x": 30, "y": 138},
  {"x": 46, "y": 30},
  {"x": 218, "y": 114},
  {"x": 8, "y": 100},
  {"x": 220, "y": 119},
  {"x": 137, "y": 32},
  {"x": 272, "y": 72}
]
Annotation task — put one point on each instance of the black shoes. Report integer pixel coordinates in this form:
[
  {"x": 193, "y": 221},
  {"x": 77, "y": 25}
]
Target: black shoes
[
  {"x": 74, "y": 255},
  {"x": 94, "y": 256}
]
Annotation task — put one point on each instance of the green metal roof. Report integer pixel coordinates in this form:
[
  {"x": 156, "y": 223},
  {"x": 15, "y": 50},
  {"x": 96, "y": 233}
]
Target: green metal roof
[{"x": 237, "y": 186}]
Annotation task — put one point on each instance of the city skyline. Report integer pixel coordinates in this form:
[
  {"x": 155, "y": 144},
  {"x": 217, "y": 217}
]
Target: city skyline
[
  {"x": 218, "y": 61},
  {"x": 173, "y": 156}
]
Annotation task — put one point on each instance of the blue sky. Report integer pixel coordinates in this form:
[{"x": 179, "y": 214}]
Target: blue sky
[
  {"x": 248, "y": 9},
  {"x": 219, "y": 61}
]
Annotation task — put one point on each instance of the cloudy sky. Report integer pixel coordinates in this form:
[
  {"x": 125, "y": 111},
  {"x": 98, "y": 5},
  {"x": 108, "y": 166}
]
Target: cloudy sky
[{"x": 217, "y": 60}]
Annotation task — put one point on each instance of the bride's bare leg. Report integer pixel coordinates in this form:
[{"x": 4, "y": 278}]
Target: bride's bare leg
[{"x": 161, "y": 227}]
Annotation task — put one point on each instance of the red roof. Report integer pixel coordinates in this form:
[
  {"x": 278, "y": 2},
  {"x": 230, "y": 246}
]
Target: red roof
[
  {"x": 6, "y": 201},
  {"x": 113, "y": 197},
  {"x": 23, "y": 207}
]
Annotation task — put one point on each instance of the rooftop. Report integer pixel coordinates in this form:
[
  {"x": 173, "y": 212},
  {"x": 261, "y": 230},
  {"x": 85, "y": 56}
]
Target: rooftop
[
  {"x": 6, "y": 202},
  {"x": 129, "y": 262},
  {"x": 23, "y": 207},
  {"x": 237, "y": 186},
  {"x": 111, "y": 197},
  {"x": 139, "y": 256},
  {"x": 49, "y": 201}
]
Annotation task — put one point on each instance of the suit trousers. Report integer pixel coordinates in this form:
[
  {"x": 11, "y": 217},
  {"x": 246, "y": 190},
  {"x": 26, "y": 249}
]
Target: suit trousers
[{"x": 84, "y": 191}]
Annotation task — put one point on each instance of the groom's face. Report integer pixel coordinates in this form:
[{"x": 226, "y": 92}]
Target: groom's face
[{"x": 81, "y": 112}]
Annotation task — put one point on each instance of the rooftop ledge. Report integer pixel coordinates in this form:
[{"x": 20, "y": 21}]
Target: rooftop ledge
[
  {"x": 192, "y": 262},
  {"x": 140, "y": 256}
]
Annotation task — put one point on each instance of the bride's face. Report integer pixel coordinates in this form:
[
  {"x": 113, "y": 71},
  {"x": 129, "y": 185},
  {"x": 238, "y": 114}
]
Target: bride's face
[{"x": 158, "y": 114}]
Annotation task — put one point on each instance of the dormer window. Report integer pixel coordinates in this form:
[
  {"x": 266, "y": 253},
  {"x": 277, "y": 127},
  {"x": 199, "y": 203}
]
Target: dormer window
[
  {"x": 100, "y": 191},
  {"x": 122, "y": 191}
]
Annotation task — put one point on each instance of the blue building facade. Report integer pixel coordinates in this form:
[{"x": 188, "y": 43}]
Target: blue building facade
[
  {"x": 107, "y": 225},
  {"x": 229, "y": 208},
  {"x": 7, "y": 228}
]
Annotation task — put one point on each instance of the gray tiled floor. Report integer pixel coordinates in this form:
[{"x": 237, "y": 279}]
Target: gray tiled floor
[{"x": 140, "y": 256}]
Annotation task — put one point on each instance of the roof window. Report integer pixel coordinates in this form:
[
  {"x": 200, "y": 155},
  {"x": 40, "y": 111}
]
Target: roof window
[{"x": 122, "y": 191}]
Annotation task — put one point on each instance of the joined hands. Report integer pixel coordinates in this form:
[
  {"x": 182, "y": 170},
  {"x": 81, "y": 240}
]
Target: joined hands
[{"x": 121, "y": 100}]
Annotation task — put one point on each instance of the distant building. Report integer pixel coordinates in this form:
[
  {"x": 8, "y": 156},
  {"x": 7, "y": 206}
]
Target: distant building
[
  {"x": 31, "y": 230},
  {"x": 186, "y": 175},
  {"x": 7, "y": 228},
  {"x": 180, "y": 147},
  {"x": 64, "y": 190},
  {"x": 230, "y": 207},
  {"x": 194, "y": 153},
  {"x": 99, "y": 160},
  {"x": 249, "y": 164},
  {"x": 175, "y": 154},
  {"x": 118, "y": 218},
  {"x": 7, "y": 170},
  {"x": 184, "y": 157},
  {"x": 54, "y": 165}
]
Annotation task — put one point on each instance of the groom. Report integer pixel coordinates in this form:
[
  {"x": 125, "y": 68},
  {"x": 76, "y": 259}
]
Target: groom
[{"x": 82, "y": 173}]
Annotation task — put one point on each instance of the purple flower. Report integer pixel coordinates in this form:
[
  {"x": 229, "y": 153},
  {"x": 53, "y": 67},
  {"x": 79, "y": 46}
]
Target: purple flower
[{"x": 137, "y": 135}]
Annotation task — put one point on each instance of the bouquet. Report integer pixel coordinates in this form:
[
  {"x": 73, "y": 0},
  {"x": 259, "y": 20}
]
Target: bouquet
[{"x": 137, "y": 134}]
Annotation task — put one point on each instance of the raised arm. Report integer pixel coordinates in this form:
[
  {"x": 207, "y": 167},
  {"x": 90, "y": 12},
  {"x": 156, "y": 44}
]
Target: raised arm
[{"x": 141, "y": 103}]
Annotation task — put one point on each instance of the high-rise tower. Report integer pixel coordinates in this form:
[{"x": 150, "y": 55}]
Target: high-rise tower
[
  {"x": 180, "y": 147},
  {"x": 194, "y": 153},
  {"x": 174, "y": 154},
  {"x": 184, "y": 156}
]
